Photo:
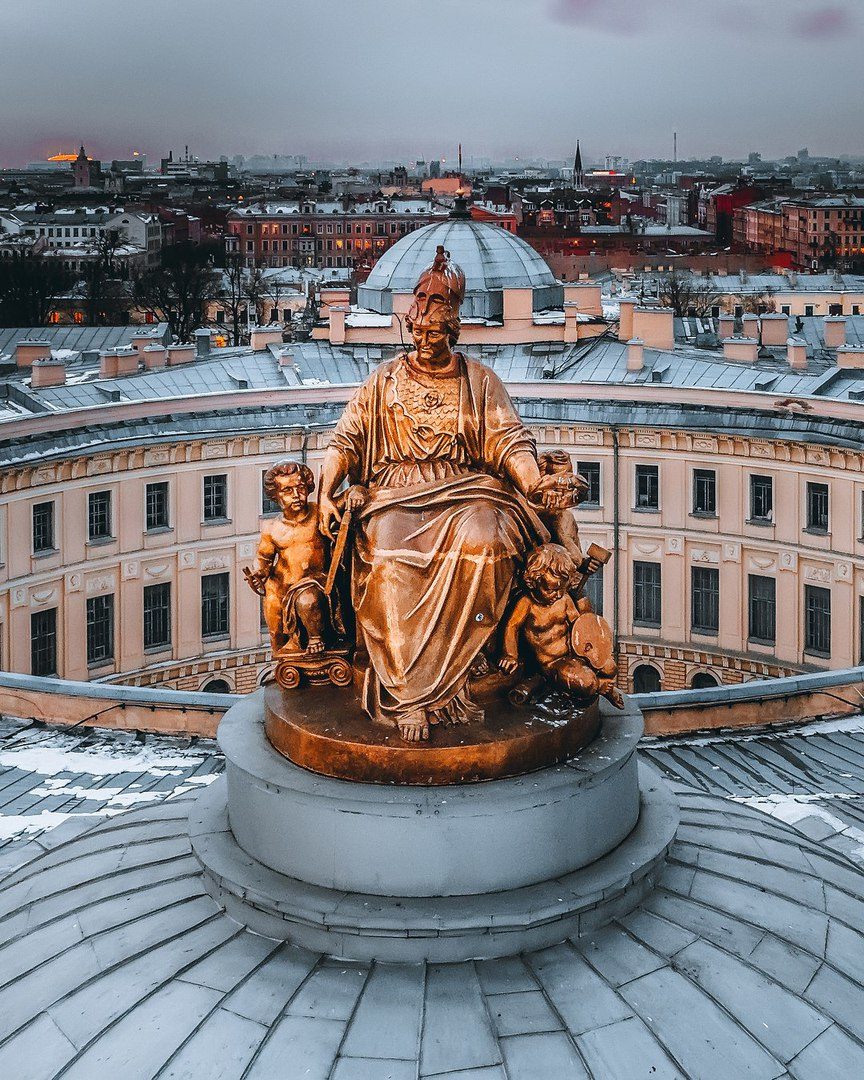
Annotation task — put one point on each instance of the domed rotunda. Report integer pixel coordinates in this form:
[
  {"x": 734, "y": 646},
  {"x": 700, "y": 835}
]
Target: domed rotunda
[{"x": 492, "y": 258}]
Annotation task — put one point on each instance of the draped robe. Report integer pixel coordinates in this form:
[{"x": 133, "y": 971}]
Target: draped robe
[{"x": 437, "y": 542}]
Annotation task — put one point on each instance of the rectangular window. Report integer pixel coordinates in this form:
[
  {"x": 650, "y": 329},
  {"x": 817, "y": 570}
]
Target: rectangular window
[
  {"x": 157, "y": 615},
  {"x": 156, "y": 506},
  {"x": 216, "y": 497},
  {"x": 214, "y": 605},
  {"x": 43, "y": 642},
  {"x": 594, "y": 591},
  {"x": 43, "y": 527},
  {"x": 705, "y": 599},
  {"x": 761, "y": 498},
  {"x": 100, "y": 629},
  {"x": 817, "y": 507},
  {"x": 99, "y": 515},
  {"x": 705, "y": 492},
  {"x": 817, "y": 620},
  {"x": 809, "y": 310},
  {"x": 268, "y": 505},
  {"x": 590, "y": 471},
  {"x": 646, "y": 594},
  {"x": 647, "y": 487},
  {"x": 761, "y": 609}
]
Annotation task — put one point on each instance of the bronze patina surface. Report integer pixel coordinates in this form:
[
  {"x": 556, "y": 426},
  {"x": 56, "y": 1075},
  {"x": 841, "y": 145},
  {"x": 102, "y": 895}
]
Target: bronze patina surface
[{"x": 325, "y": 730}]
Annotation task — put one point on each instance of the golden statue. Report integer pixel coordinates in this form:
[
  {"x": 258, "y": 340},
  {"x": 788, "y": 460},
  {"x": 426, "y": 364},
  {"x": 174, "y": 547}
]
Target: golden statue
[{"x": 437, "y": 480}]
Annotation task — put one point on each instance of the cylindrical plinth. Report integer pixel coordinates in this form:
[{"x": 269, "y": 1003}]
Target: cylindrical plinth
[{"x": 432, "y": 841}]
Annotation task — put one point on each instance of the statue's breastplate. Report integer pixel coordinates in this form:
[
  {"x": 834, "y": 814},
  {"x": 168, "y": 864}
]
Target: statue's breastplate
[{"x": 430, "y": 404}]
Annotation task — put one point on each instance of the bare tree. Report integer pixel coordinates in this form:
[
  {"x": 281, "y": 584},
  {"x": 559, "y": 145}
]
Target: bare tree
[
  {"x": 179, "y": 290},
  {"x": 276, "y": 289},
  {"x": 256, "y": 290},
  {"x": 105, "y": 295},
  {"x": 688, "y": 295},
  {"x": 233, "y": 294},
  {"x": 29, "y": 285}
]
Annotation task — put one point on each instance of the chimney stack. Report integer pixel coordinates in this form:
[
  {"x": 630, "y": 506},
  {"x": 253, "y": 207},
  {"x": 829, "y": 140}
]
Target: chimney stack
[
  {"x": 48, "y": 372},
  {"x": 635, "y": 354},
  {"x": 202, "y": 342},
  {"x": 625, "y": 325},
  {"x": 28, "y": 351},
  {"x": 835, "y": 331},
  {"x": 725, "y": 327},
  {"x": 180, "y": 354},
  {"x": 741, "y": 350},
  {"x": 850, "y": 356},
  {"x": 262, "y": 336},
  {"x": 796, "y": 353},
  {"x": 655, "y": 326},
  {"x": 775, "y": 329}
]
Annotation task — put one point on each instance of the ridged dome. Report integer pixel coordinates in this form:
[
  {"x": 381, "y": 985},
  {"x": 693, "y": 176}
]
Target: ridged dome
[{"x": 491, "y": 257}]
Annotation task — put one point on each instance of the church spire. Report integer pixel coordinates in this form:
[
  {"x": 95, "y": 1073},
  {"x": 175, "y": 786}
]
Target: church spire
[{"x": 578, "y": 172}]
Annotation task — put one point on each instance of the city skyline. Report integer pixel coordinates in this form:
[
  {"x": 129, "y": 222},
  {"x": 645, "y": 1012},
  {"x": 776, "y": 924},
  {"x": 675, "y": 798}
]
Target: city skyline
[{"x": 389, "y": 83}]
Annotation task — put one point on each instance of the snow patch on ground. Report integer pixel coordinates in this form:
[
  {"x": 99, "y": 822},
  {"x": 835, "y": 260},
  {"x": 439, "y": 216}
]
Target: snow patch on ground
[
  {"x": 850, "y": 725},
  {"x": 794, "y": 808},
  {"x": 49, "y": 760}
]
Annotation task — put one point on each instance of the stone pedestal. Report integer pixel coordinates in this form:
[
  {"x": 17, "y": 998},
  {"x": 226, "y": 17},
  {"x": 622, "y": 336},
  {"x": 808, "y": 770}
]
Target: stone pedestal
[{"x": 392, "y": 872}]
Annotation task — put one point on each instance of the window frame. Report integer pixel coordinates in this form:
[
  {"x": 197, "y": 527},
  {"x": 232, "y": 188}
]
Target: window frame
[
  {"x": 48, "y": 507},
  {"x": 757, "y": 479},
  {"x": 705, "y": 600},
  {"x": 709, "y": 477},
  {"x": 761, "y": 610},
  {"x": 100, "y": 619},
  {"x": 817, "y": 497},
  {"x": 150, "y": 524},
  {"x": 100, "y": 516},
  {"x": 156, "y": 615},
  {"x": 647, "y": 594},
  {"x": 595, "y": 480},
  {"x": 221, "y": 601},
  {"x": 649, "y": 473},
  {"x": 817, "y": 640},
  {"x": 211, "y": 517},
  {"x": 38, "y": 646}
]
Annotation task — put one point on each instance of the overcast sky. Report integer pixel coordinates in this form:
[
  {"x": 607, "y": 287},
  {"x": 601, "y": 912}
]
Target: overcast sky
[{"x": 364, "y": 79}]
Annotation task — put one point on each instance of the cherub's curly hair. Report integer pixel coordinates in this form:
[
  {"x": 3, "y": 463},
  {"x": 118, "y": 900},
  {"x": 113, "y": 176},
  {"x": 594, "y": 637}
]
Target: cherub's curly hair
[
  {"x": 550, "y": 557},
  {"x": 287, "y": 468}
]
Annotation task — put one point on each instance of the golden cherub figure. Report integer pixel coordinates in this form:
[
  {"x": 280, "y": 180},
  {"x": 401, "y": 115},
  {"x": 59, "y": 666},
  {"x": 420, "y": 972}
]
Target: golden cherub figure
[
  {"x": 291, "y": 565},
  {"x": 572, "y": 648}
]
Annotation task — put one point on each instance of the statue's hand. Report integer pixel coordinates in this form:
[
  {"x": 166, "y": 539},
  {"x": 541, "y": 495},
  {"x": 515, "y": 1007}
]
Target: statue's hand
[
  {"x": 556, "y": 492},
  {"x": 508, "y": 664},
  {"x": 356, "y": 498},
  {"x": 328, "y": 516}
]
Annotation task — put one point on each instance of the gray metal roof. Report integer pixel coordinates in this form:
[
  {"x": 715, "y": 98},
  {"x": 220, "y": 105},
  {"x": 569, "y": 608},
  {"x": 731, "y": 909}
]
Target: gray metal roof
[{"x": 746, "y": 960}]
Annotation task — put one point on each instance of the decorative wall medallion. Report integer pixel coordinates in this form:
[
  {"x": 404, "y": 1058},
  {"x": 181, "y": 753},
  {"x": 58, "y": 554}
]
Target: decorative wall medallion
[
  {"x": 73, "y": 583},
  {"x": 155, "y": 570},
  {"x": 45, "y": 474},
  {"x": 589, "y": 438},
  {"x": 272, "y": 445},
  {"x": 99, "y": 465},
  {"x": 246, "y": 549},
  {"x": 214, "y": 450},
  {"x": 100, "y": 584},
  {"x": 816, "y": 457},
  {"x": 789, "y": 560},
  {"x": 647, "y": 547},
  {"x": 762, "y": 562},
  {"x": 674, "y": 545},
  {"x": 760, "y": 450},
  {"x": 707, "y": 445},
  {"x": 731, "y": 553},
  {"x": 215, "y": 562},
  {"x": 703, "y": 555},
  {"x": 19, "y": 596},
  {"x": 647, "y": 438},
  {"x": 187, "y": 559},
  {"x": 818, "y": 573},
  {"x": 158, "y": 456},
  {"x": 131, "y": 569},
  {"x": 843, "y": 571},
  {"x": 43, "y": 596}
]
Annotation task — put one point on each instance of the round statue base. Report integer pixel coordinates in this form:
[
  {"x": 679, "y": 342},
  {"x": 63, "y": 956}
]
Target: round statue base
[
  {"x": 324, "y": 729},
  {"x": 400, "y": 873}
]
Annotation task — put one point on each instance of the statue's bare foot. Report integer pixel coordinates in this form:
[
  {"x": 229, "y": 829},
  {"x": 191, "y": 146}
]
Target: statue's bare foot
[
  {"x": 315, "y": 646},
  {"x": 414, "y": 728},
  {"x": 614, "y": 695},
  {"x": 479, "y": 666}
]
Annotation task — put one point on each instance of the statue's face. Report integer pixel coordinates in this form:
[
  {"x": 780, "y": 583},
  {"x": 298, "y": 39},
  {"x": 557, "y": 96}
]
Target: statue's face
[
  {"x": 291, "y": 493},
  {"x": 432, "y": 343},
  {"x": 549, "y": 586}
]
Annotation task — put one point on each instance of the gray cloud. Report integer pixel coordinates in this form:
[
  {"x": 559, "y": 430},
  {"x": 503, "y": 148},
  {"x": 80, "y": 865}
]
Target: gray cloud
[{"x": 365, "y": 79}]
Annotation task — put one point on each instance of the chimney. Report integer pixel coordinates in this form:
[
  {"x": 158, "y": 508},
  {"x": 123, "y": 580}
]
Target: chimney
[
  {"x": 48, "y": 372},
  {"x": 571, "y": 320},
  {"x": 154, "y": 356},
  {"x": 180, "y": 354},
  {"x": 127, "y": 361},
  {"x": 850, "y": 356},
  {"x": 28, "y": 351},
  {"x": 587, "y": 295},
  {"x": 337, "y": 324},
  {"x": 835, "y": 331},
  {"x": 635, "y": 354},
  {"x": 741, "y": 350},
  {"x": 202, "y": 342},
  {"x": 726, "y": 327},
  {"x": 286, "y": 359},
  {"x": 141, "y": 341},
  {"x": 796, "y": 353},
  {"x": 775, "y": 329},
  {"x": 108, "y": 364},
  {"x": 625, "y": 326},
  {"x": 750, "y": 326},
  {"x": 655, "y": 326},
  {"x": 262, "y": 336}
]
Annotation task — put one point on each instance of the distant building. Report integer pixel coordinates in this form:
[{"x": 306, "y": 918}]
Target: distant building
[
  {"x": 86, "y": 172},
  {"x": 818, "y": 233}
]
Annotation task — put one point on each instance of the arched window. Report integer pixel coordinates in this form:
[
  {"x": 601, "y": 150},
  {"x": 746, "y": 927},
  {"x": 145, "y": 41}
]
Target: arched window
[
  {"x": 216, "y": 686},
  {"x": 646, "y": 680},
  {"x": 703, "y": 680}
]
